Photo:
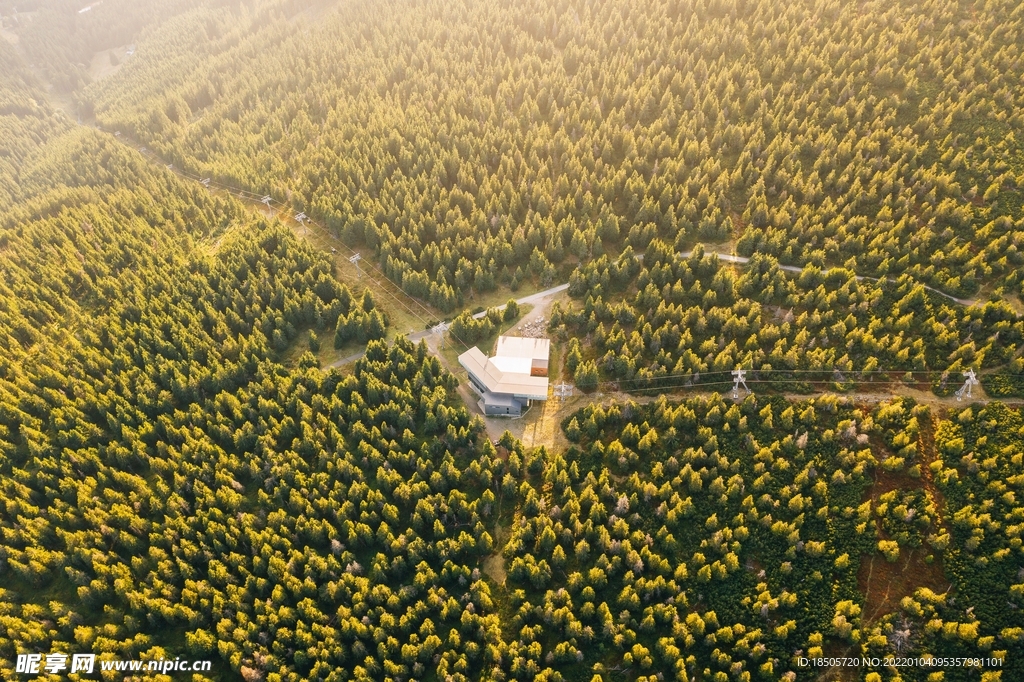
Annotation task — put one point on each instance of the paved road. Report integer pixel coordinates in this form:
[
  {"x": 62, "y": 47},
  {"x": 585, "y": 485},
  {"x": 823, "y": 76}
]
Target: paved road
[
  {"x": 726, "y": 257},
  {"x": 742, "y": 260},
  {"x": 416, "y": 336},
  {"x": 532, "y": 298},
  {"x": 348, "y": 360}
]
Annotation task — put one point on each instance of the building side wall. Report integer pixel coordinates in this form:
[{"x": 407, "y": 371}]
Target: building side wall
[
  {"x": 477, "y": 385},
  {"x": 501, "y": 411}
]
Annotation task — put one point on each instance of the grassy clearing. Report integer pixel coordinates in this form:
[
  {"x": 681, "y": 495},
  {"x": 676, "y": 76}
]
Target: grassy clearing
[
  {"x": 327, "y": 356},
  {"x": 500, "y": 296}
]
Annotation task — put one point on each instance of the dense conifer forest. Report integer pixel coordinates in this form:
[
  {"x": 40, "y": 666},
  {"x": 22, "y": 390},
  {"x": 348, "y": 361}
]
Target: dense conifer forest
[
  {"x": 669, "y": 321},
  {"x": 182, "y": 476},
  {"x": 458, "y": 139}
]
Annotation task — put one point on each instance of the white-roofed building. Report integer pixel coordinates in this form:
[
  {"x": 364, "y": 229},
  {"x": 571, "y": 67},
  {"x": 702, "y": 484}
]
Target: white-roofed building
[
  {"x": 513, "y": 378},
  {"x": 522, "y": 349}
]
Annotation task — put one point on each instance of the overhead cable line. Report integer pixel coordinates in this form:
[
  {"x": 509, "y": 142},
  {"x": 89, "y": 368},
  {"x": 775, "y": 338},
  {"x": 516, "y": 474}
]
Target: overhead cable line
[{"x": 303, "y": 219}]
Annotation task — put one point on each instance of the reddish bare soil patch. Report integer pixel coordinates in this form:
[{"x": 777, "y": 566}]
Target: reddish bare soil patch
[
  {"x": 886, "y": 482},
  {"x": 884, "y": 584}
]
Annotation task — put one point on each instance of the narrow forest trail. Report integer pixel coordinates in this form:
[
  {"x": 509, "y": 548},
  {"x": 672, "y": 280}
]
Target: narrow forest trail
[{"x": 743, "y": 260}]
